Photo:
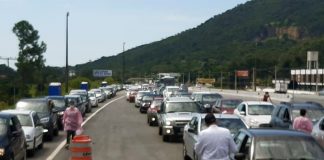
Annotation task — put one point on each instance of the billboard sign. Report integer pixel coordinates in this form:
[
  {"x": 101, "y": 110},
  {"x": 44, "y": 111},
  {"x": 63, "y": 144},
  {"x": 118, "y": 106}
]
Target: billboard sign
[
  {"x": 242, "y": 73},
  {"x": 102, "y": 73}
]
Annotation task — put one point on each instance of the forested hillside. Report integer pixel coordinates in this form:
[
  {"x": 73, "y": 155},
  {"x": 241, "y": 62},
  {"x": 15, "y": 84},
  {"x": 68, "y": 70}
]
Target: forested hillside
[{"x": 259, "y": 33}]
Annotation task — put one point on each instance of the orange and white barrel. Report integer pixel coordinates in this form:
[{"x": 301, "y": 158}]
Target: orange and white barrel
[{"x": 81, "y": 148}]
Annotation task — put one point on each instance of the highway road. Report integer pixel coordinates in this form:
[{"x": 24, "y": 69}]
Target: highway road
[{"x": 119, "y": 131}]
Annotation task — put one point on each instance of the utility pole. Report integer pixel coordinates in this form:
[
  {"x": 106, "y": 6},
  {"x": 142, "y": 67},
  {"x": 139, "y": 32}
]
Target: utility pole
[
  {"x": 123, "y": 63},
  {"x": 253, "y": 82},
  {"x": 275, "y": 74},
  {"x": 67, "y": 55},
  {"x": 8, "y": 59},
  {"x": 221, "y": 81},
  {"x": 235, "y": 81}
]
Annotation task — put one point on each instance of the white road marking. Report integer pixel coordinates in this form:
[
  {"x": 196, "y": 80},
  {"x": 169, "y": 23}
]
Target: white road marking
[{"x": 59, "y": 147}]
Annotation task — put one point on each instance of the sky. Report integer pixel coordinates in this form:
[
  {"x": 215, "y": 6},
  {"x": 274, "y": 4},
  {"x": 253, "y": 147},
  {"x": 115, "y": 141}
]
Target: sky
[{"x": 99, "y": 28}]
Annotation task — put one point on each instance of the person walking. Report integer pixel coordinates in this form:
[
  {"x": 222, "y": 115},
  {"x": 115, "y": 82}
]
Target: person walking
[
  {"x": 266, "y": 97},
  {"x": 72, "y": 120},
  {"x": 214, "y": 142},
  {"x": 302, "y": 123}
]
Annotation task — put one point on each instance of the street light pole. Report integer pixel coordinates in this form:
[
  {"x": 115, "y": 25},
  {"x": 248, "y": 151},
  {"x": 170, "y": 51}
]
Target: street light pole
[
  {"x": 123, "y": 63},
  {"x": 67, "y": 55}
]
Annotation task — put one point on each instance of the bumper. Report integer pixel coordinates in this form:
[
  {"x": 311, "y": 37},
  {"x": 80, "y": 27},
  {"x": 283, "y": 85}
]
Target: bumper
[
  {"x": 171, "y": 130},
  {"x": 30, "y": 144},
  {"x": 131, "y": 99}
]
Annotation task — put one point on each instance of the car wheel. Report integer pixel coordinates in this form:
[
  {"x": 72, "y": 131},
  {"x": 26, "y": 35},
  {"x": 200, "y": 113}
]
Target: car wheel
[
  {"x": 32, "y": 151},
  {"x": 40, "y": 146},
  {"x": 49, "y": 135},
  {"x": 56, "y": 132},
  {"x": 166, "y": 138},
  {"x": 160, "y": 130},
  {"x": 184, "y": 153}
]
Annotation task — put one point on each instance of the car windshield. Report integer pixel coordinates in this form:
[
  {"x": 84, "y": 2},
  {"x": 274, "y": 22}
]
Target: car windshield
[
  {"x": 230, "y": 103},
  {"x": 25, "y": 120},
  {"x": 140, "y": 94},
  {"x": 69, "y": 99},
  {"x": 147, "y": 98},
  {"x": 91, "y": 95},
  {"x": 313, "y": 114},
  {"x": 37, "y": 106},
  {"x": 210, "y": 97},
  {"x": 261, "y": 109},
  {"x": 59, "y": 103},
  {"x": 232, "y": 124},
  {"x": 3, "y": 127},
  {"x": 173, "y": 90},
  {"x": 285, "y": 147},
  {"x": 182, "y": 107}
]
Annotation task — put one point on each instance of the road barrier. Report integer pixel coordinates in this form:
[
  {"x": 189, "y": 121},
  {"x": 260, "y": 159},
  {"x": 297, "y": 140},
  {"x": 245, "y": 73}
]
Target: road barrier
[{"x": 81, "y": 148}]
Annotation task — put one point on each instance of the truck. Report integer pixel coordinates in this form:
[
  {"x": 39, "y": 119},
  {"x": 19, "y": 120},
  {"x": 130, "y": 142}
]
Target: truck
[
  {"x": 281, "y": 87},
  {"x": 84, "y": 86}
]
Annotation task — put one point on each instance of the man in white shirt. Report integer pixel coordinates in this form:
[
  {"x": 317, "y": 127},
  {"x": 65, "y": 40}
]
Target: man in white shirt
[{"x": 214, "y": 143}]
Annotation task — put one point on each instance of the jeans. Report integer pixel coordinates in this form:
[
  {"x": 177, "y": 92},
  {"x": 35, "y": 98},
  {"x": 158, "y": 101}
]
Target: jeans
[{"x": 69, "y": 134}]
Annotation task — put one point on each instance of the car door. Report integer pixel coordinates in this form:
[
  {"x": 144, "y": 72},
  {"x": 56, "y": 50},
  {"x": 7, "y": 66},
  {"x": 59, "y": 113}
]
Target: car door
[
  {"x": 38, "y": 129},
  {"x": 283, "y": 120},
  {"x": 239, "y": 111},
  {"x": 17, "y": 138},
  {"x": 243, "y": 143},
  {"x": 192, "y": 136}
]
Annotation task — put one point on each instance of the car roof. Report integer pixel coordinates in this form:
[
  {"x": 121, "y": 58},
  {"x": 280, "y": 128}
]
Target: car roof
[
  {"x": 172, "y": 87},
  {"x": 300, "y": 105},
  {"x": 78, "y": 90},
  {"x": 72, "y": 96},
  {"x": 257, "y": 102},
  {"x": 205, "y": 92},
  {"x": 266, "y": 132},
  {"x": 55, "y": 97},
  {"x": 33, "y": 99},
  {"x": 13, "y": 111},
  {"x": 6, "y": 115}
]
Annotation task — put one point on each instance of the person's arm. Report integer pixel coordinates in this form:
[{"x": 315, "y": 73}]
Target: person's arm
[
  {"x": 232, "y": 146},
  {"x": 295, "y": 123},
  {"x": 80, "y": 119},
  {"x": 199, "y": 147}
]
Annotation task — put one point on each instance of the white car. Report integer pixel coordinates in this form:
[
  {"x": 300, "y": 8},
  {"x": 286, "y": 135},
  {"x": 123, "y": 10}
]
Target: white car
[
  {"x": 93, "y": 99},
  {"x": 99, "y": 95},
  {"x": 197, "y": 124},
  {"x": 32, "y": 127},
  {"x": 318, "y": 131},
  {"x": 255, "y": 113},
  {"x": 169, "y": 90}
]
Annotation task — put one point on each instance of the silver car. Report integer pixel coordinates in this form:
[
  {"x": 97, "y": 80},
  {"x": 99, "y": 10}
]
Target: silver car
[
  {"x": 93, "y": 99},
  {"x": 318, "y": 131},
  {"x": 32, "y": 127},
  {"x": 197, "y": 124},
  {"x": 174, "y": 114}
]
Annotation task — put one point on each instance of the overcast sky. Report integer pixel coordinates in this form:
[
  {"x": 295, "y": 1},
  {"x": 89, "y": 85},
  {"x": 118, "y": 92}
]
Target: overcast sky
[{"x": 99, "y": 27}]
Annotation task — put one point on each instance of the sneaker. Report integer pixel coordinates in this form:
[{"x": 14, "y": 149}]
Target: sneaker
[{"x": 66, "y": 146}]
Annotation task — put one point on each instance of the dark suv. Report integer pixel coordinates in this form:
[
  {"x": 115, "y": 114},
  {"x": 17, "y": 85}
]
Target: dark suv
[
  {"x": 84, "y": 97},
  {"x": 284, "y": 114},
  {"x": 46, "y": 113},
  {"x": 12, "y": 138}
]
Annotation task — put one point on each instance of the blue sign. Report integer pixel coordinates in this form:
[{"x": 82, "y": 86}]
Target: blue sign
[{"x": 102, "y": 73}]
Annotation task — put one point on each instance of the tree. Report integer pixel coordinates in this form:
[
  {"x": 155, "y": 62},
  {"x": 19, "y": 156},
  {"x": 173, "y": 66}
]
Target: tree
[{"x": 30, "y": 60}]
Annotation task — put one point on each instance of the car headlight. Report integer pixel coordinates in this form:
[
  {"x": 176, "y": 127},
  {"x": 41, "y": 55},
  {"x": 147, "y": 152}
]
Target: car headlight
[
  {"x": 60, "y": 113},
  {"x": 168, "y": 123},
  {"x": 2, "y": 151},
  {"x": 44, "y": 120}
]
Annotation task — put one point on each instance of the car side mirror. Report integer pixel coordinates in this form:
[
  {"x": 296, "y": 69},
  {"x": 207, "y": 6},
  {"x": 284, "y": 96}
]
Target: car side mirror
[
  {"x": 243, "y": 113},
  {"x": 191, "y": 130},
  {"x": 239, "y": 156}
]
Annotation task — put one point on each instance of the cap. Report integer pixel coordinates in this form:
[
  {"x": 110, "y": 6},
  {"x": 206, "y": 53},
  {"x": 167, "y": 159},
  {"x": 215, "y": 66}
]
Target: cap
[{"x": 210, "y": 118}]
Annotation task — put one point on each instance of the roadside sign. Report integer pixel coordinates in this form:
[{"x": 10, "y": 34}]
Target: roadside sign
[
  {"x": 102, "y": 73},
  {"x": 242, "y": 73}
]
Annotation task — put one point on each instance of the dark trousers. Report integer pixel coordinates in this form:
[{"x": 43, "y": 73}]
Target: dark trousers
[{"x": 69, "y": 134}]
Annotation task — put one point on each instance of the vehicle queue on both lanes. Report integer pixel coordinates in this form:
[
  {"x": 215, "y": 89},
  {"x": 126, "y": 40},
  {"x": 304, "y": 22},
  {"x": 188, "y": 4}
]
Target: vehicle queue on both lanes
[
  {"x": 33, "y": 121},
  {"x": 251, "y": 123}
]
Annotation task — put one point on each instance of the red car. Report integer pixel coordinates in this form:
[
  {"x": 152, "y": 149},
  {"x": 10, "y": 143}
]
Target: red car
[
  {"x": 132, "y": 96},
  {"x": 153, "y": 110},
  {"x": 226, "y": 105}
]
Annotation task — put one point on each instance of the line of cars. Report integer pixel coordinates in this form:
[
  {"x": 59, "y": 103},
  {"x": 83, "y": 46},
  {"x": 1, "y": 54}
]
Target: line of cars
[
  {"x": 256, "y": 127},
  {"x": 34, "y": 120}
]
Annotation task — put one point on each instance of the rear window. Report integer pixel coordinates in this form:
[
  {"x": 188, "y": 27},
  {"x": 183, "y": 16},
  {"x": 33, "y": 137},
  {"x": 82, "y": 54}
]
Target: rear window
[
  {"x": 182, "y": 107},
  {"x": 37, "y": 106},
  {"x": 3, "y": 126},
  {"x": 230, "y": 103},
  {"x": 25, "y": 120},
  {"x": 313, "y": 114},
  {"x": 260, "y": 109}
]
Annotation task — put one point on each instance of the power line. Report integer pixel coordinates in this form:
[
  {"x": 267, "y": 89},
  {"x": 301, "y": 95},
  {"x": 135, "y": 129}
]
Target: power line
[{"x": 8, "y": 59}]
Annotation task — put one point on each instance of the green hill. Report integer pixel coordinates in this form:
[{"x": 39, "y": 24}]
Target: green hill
[{"x": 259, "y": 33}]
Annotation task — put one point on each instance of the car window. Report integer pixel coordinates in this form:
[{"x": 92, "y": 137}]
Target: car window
[
  {"x": 3, "y": 126},
  {"x": 238, "y": 139},
  {"x": 230, "y": 103},
  {"x": 232, "y": 124},
  {"x": 182, "y": 107},
  {"x": 286, "y": 114},
  {"x": 260, "y": 109},
  {"x": 277, "y": 111},
  {"x": 36, "y": 119},
  {"x": 287, "y": 147},
  {"x": 281, "y": 113},
  {"x": 38, "y": 106},
  {"x": 313, "y": 114},
  {"x": 25, "y": 120}
]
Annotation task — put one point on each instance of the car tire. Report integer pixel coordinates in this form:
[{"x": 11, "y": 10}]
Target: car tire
[
  {"x": 40, "y": 146},
  {"x": 184, "y": 152},
  {"x": 56, "y": 132},
  {"x": 166, "y": 138},
  {"x": 32, "y": 151},
  {"x": 160, "y": 130},
  {"x": 49, "y": 135}
]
